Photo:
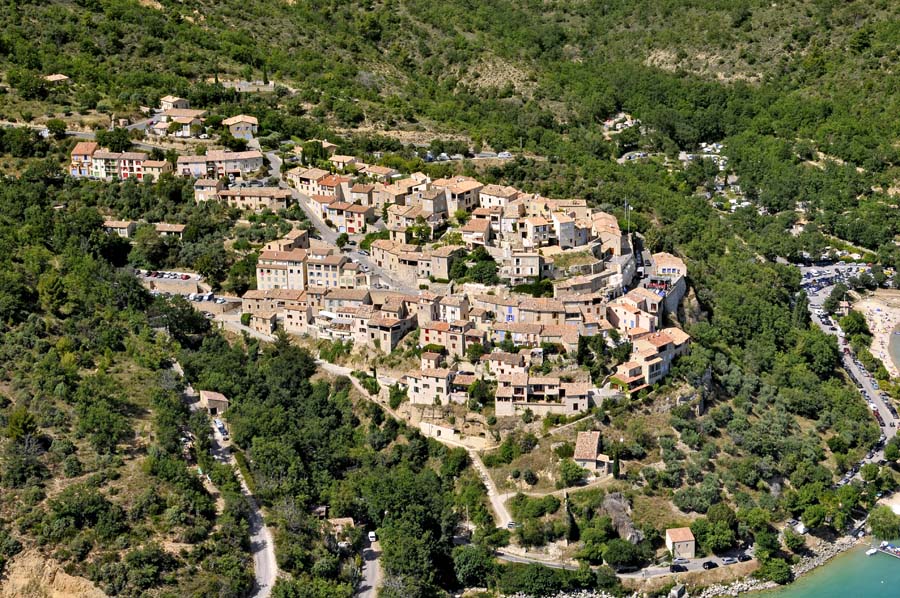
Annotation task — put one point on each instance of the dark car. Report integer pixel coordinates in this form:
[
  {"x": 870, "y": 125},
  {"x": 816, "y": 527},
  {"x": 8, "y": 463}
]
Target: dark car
[
  {"x": 677, "y": 568},
  {"x": 744, "y": 558},
  {"x": 710, "y": 565}
]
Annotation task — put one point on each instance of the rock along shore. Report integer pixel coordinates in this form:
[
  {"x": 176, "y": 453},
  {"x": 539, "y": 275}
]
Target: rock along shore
[{"x": 807, "y": 563}]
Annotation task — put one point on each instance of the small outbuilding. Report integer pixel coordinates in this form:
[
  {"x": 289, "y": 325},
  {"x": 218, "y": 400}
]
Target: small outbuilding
[
  {"x": 215, "y": 403},
  {"x": 680, "y": 542}
]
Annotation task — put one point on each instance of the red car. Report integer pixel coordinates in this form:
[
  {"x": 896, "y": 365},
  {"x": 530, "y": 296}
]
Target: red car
[{"x": 185, "y": 277}]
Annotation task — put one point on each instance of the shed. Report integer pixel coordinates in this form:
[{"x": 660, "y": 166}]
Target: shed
[
  {"x": 215, "y": 403},
  {"x": 680, "y": 542}
]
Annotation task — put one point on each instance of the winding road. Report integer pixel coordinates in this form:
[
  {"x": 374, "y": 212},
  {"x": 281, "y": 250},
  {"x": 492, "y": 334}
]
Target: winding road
[{"x": 262, "y": 544}]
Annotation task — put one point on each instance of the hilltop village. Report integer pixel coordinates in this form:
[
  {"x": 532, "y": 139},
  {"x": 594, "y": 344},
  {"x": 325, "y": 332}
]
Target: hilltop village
[{"x": 495, "y": 284}]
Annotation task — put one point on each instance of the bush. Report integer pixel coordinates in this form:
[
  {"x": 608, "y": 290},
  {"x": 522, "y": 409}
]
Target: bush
[
  {"x": 368, "y": 382},
  {"x": 794, "y": 541},
  {"x": 72, "y": 466},
  {"x": 525, "y": 507},
  {"x": 570, "y": 473},
  {"x": 775, "y": 569},
  {"x": 396, "y": 395},
  {"x": 565, "y": 451},
  {"x": 245, "y": 319}
]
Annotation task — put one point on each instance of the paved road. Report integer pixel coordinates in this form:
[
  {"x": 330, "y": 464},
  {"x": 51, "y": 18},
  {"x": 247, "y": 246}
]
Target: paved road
[
  {"x": 371, "y": 572},
  {"x": 646, "y": 572},
  {"x": 816, "y": 298},
  {"x": 503, "y": 517},
  {"x": 262, "y": 545},
  {"x": 329, "y": 235}
]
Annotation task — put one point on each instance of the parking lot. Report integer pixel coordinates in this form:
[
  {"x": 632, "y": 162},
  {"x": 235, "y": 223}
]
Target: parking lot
[{"x": 819, "y": 281}]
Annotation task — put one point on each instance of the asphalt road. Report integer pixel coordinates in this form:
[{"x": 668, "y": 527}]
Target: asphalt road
[
  {"x": 371, "y": 572},
  {"x": 262, "y": 545},
  {"x": 329, "y": 235},
  {"x": 816, "y": 298}
]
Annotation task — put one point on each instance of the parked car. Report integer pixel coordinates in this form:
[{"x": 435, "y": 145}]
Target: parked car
[
  {"x": 710, "y": 565},
  {"x": 677, "y": 569},
  {"x": 680, "y": 561},
  {"x": 372, "y": 537},
  {"x": 363, "y": 252},
  {"x": 504, "y": 155},
  {"x": 185, "y": 277},
  {"x": 729, "y": 560},
  {"x": 744, "y": 558}
]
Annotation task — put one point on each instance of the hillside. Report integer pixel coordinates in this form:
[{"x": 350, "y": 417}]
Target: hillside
[
  {"x": 533, "y": 73},
  {"x": 92, "y": 469}
]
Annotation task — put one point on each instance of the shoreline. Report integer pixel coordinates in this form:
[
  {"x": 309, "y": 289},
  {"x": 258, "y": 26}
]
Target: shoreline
[
  {"x": 807, "y": 564},
  {"x": 747, "y": 586},
  {"x": 882, "y": 313}
]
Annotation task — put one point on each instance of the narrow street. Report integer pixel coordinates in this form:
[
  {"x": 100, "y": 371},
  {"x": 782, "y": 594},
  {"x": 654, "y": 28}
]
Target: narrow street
[
  {"x": 262, "y": 544},
  {"x": 329, "y": 235},
  {"x": 371, "y": 571}
]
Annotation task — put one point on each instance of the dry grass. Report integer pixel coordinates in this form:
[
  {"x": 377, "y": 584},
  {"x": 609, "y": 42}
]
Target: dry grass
[{"x": 658, "y": 512}]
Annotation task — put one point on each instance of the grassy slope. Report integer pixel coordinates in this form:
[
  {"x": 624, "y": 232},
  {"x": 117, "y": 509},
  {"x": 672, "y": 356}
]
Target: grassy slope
[{"x": 373, "y": 50}]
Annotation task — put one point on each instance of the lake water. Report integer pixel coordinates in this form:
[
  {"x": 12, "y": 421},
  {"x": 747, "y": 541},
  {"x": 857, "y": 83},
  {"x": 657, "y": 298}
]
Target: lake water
[
  {"x": 894, "y": 347},
  {"x": 849, "y": 575}
]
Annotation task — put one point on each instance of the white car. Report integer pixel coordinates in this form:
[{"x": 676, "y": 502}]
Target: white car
[
  {"x": 504, "y": 155},
  {"x": 372, "y": 537}
]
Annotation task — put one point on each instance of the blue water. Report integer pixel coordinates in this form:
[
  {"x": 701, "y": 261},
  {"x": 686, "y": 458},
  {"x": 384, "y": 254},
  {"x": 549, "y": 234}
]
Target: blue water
[
  {"x": 849, "y": 575},
  {"x": 894, "y": 347}
]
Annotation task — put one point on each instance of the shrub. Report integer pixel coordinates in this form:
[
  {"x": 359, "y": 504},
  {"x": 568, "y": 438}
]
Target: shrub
[
  {"x": 570, "y": 473},
  {"x": 396, "y": 396}
]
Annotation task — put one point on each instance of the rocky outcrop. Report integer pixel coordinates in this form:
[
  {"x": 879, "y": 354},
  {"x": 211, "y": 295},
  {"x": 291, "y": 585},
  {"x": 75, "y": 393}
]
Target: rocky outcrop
[
  {"x": 31, "y": 575},
  {"x": 822, "y": 555},
  {"x": 616, "y": 506}
]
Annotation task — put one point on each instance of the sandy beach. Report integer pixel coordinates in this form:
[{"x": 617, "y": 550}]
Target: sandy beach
[
  {"x": 882, "y": 312},
  {"x": 893, "y": 501}
]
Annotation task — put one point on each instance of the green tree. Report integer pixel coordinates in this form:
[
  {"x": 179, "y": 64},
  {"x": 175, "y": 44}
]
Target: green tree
[
  {"x": 116, "y": 140},
  {"x": 474, "y": 566},
  {"x": 57, "y": 128},
  {"x": 342, "y": 240},
  {"x": 884, "y": 524},
  {"x": 892, "y": 451},
  {"x": 621, "y": 554},
  {"x": 833, "y": 301},
  {"x": 21, "y": 423},
  {"x": 813, "y": 516},
  {"x": 869, "y": 472},
  {"x": 570, "y": 473}
]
